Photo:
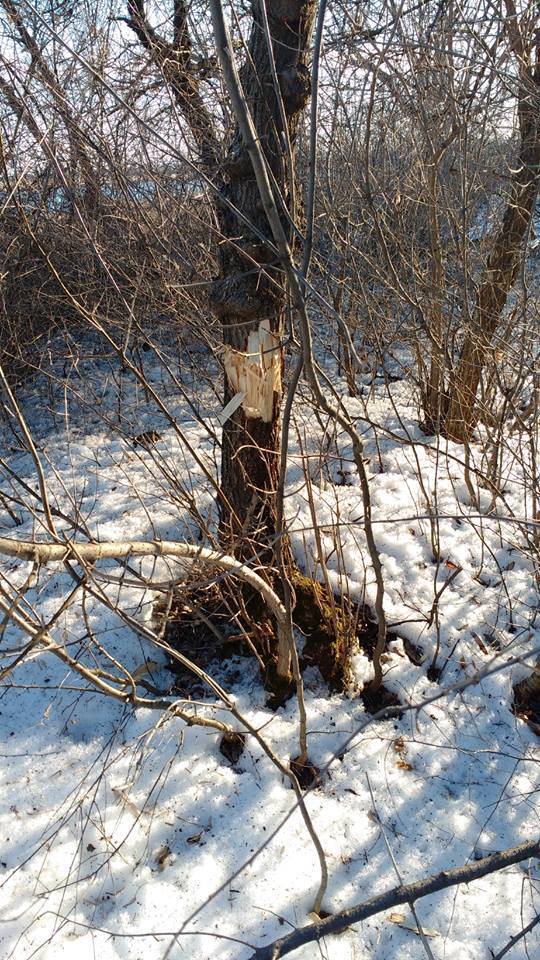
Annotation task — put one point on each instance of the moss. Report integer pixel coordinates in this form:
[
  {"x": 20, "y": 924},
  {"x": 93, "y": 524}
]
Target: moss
[
  {"x": 326, "y": 624},
  {"x": 329, "y": 633},
  {"x": 332, "y": 627}
]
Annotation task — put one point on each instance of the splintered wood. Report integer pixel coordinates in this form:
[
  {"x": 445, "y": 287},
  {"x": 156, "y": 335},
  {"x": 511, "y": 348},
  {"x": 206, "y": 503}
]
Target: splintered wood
[{"x": 256, "y": 373}]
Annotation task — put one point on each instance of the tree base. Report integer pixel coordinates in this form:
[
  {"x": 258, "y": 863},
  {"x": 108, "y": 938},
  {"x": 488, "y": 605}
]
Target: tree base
[
  {"x": 207, "y": 623},
  {"x": 333, "y": 629},
  {"x": 307, "y": 774},
  {"x": 197, "y": 625}
]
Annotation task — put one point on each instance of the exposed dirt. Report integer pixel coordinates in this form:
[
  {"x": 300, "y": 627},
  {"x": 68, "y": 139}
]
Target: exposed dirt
[
  {"x": 379, "y": 699},
  {"x": 232, "y": 746},
  {"x": 210, "y": 621},
  {"x": 307, "y": 774},
  {"x": 526, "y": 703},
  {"x": 200, "y": 625}
]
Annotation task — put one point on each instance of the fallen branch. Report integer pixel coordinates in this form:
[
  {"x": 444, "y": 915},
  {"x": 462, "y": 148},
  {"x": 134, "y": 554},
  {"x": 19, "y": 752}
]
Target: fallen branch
[
  {"x": 91, "y": 552},
  {"x": 406, "y": 893},
  {"x": 517, "y": 937}
]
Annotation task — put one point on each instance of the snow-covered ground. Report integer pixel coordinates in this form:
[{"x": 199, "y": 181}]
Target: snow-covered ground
[{"x": 125, "y": 834}]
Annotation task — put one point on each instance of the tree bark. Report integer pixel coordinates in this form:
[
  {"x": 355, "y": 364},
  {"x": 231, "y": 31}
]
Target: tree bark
[
  {"x": 249, "y": 297},
  {"x": 405, "y": 893},
  {"x": 504, "y": 260}
]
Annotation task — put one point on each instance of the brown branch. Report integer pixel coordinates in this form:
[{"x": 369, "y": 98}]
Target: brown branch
[
  {"x": 176, "y": 63},
  {"x": 140, "y": 26},
  {"x": 77, "y": 137},
  {"x": 517, "y": 937},
  {"x": 405, "y": 893},
  {"x": 180, "y": 26}
]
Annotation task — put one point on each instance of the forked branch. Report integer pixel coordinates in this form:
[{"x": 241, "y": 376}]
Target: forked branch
[{"x": 175, "y": 60}]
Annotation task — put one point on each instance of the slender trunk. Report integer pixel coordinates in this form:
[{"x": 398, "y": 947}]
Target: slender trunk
[
  {"x": 435, "y": 384},
  {"x": 501, "y": 273},
  {"x": 504, "y": 260}
]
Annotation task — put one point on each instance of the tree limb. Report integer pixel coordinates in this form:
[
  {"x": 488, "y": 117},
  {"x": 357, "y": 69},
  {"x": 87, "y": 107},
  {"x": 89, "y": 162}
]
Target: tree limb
[
  {"x": 90, "y": 552},
  {"x": 176, "y": 63},
  {"x": 405, "y": 893}
]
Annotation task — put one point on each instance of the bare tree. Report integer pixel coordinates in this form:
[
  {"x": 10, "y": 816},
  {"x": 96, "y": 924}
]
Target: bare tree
[
  {"x": 249, "y": 296},
  {"x": 113, "y": 563},
  {"x": 507, "y": 246}
]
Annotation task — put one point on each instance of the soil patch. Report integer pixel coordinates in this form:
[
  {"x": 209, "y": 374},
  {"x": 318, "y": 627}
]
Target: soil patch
[
  {"x": 375, "y": 700},
  {"x": 526, "y": 704}
]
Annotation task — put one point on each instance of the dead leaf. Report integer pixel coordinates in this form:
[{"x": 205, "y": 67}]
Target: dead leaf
[
  {"x": 479, "y": 641},
  {"x": 404, "y": 765},
  {"x": 415, "y": 653},
  {"x": 145, "y": 667},
  {"x": 133, "y": 809},
  {"x": 146, "y": 438},
  {"x": 163, "y": 856},
  {"x": 400, "y": 748}
]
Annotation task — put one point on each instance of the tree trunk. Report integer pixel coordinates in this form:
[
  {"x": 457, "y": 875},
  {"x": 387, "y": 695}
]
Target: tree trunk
[
  {"x": 435, "y": 384},
  {"x": 501, "y": 273},
  {"x": 249, "y": 297},
  {"x": 504, "y": 260}
]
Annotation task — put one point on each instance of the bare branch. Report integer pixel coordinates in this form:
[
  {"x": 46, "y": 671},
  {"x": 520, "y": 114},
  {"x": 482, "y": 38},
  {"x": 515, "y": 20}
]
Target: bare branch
[
  {"x": 176, "y": 63},
  {"x": 90, "y": 552},
  {"x": 406, "y": 893}
]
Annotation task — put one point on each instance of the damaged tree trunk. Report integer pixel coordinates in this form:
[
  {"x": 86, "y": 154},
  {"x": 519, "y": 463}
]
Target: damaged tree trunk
[
  {"x": 254, "y": 173},
  {"x": 250, "y": 298},
  {"x": 249, "y": 295}
]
